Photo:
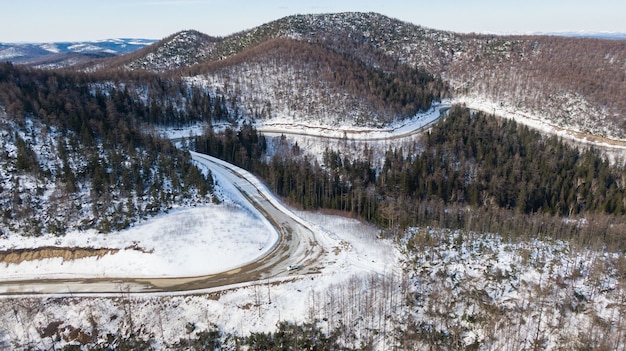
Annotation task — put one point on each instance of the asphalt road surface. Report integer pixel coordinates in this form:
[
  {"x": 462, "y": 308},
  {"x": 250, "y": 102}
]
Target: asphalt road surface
[{"x": 297, "y": 247}]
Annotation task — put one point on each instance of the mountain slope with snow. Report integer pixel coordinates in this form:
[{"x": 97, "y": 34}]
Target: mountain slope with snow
[
  {"x": 72, "y": 162},
  {"x": 181, "y": 49},
  {"x": 67, "y": 54},
  {"x": 568, "y": 83},
  {"x": 304, "y": 84}
]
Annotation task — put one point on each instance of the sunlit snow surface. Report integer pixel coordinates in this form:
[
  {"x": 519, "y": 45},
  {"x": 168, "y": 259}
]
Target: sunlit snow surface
[{"x": 184, "y": 242}]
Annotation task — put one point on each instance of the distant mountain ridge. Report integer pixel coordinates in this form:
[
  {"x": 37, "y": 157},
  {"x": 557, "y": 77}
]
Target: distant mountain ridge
[
  {"x": 62, "y": 54},
  {"x": 584, "y": 34}
]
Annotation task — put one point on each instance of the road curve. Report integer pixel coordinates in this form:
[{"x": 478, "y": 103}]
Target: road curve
[
  {"x": 357, "y": 135},
  {"x": 298, "y": 245}
]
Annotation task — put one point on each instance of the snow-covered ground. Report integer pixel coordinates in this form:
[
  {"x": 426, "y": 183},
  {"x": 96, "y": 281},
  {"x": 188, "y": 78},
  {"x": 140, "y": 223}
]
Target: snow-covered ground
[
  {"x": 194, "y": 241},
  {"x": 356, "y": 259},
  {"x": 476, "y": 289},
  {"x": 184, "y": 242},
  {"x": 507, "y": 295}
]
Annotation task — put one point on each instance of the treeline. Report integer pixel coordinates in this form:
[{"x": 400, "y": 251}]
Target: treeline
[
  {"x": 99, "y": 154},
  {"x": 100, "y": 101},
  {"x": 292, "y": 175},
  {"x": 475, "y": 172},
  {"x": 287, "y": 336},
  {"x": 482, "y": 161}
]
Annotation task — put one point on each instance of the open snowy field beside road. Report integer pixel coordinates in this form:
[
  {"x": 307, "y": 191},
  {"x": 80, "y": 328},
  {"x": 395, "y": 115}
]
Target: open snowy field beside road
[
  {"x": 183, "y": 242},
  {"x": 356, "y": 260}
]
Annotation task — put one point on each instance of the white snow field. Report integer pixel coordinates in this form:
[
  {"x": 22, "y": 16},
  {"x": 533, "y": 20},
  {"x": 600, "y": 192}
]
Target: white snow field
[
  {"x": 182, "y": 243},
  {"x": 356, "y": 259}
]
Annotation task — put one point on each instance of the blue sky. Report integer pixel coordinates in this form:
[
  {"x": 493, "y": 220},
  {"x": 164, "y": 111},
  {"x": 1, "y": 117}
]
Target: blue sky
[{"x": 72, "y": 20}]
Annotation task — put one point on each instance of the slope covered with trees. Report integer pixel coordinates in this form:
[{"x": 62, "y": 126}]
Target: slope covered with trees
[
  {"x": 74, "y": 156},
  {"x": 80, "y": 151},
  {"x": 307, "y": 83},
  {"x": 471, "y": 171},
  {"x": 570, "y": 83}
]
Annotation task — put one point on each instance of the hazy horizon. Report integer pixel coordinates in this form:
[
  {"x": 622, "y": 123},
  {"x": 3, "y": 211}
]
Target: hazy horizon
[{"x": 73, "y": 20}]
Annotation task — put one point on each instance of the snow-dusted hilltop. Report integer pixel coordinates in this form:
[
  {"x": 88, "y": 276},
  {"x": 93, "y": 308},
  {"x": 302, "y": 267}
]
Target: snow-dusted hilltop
[
  {"x": 181, "y": 49},
  {"x": 569, "y": 83}
]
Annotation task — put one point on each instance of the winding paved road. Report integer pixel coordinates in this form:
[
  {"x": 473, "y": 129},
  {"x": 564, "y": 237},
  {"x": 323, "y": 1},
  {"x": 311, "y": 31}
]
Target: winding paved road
[
  {"x": 398, "y": 132},
  {"x": 298, "y": 245}
]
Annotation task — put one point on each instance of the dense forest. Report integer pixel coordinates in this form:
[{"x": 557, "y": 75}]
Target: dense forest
[
  {"x": 474, "y": 172},
  {"x": 88, "y": 154},
  {"x": 468, "y": 161},
  {"x": 81, "y": 158},
  {"x": 313, "y": 80},
  {"x": 98, "y": 102}
]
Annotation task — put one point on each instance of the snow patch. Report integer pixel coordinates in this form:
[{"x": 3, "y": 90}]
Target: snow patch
[{"x": 184, "y": 242}]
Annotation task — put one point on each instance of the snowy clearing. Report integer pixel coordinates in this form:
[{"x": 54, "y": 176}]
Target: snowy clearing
[
  {"x": 184, "y": 242},
  {"x": 356, "y": 259}
]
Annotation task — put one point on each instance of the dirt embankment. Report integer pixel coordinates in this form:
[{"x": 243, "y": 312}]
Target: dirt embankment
[{"x": 17, "y": 256}]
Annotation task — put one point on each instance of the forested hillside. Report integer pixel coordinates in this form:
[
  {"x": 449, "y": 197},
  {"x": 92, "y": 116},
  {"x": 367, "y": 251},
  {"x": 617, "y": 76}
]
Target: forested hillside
[
  {"x": 568, "y": 83},
  {"x": 81, "y": 144},
  {"x": 301, "y": 83},
  {"x": 75, "y": 154},
  {"x": 508, "y": 238},
  {"x": 471, "y": 171}
]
